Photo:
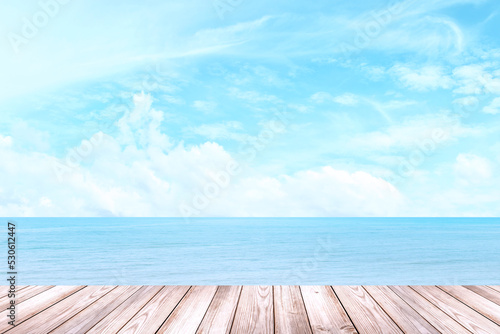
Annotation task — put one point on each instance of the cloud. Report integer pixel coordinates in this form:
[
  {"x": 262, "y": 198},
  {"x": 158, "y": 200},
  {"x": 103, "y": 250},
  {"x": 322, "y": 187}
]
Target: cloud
[
  {"x": 467, "y": 101},
  {"x": 322, "y": 192},
  {"x": 27, "y": 137},
  {"x": 230, "y": 34},
  {"x": 494, "y": 107},
  {"x": 124, "y": 183},
  {"x": 205, "y": 106},
  {"x": 472, "y": 169},
  {"x": 422, "y": 79},
  {"x": 347, "y": 99},
  {"x": 425, "y": 130},
  {"x": 140, "y": 172},
  {"x": 253, "y": 96},
  {"x": 224, "y": 130},
  {"x": 5, "y": 141},
  {"x": 477, "y": 79},
  {"x": 141, "y": 125}
]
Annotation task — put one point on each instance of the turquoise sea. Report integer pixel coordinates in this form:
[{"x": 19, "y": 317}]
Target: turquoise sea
[{"x": 258, "y": 250}]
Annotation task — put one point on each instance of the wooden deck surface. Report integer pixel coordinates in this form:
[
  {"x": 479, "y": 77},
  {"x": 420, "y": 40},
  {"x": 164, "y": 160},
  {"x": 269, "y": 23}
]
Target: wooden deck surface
[{"x": 255, "y": 309}]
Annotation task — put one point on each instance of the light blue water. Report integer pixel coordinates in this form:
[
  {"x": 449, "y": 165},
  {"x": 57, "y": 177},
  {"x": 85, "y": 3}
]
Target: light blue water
[{"x": 258, "y": 251}]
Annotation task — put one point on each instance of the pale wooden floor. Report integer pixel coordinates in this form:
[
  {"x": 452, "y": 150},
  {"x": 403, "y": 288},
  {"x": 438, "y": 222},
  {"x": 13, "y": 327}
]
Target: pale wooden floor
[{"x": 255, "y": 309}]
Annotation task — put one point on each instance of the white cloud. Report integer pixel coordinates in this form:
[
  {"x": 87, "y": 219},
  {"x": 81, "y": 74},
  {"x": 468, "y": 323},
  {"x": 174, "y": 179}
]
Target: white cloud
[
  {"x": 132, "y": 174},
  {"x": 472, "y": 169},
  {"x": 205, "y": 106},
  {"x": 172, "y": 99},
  {"x": 321, "y": 97},
  {"x": 28, "y": 137},
  {"x": 467, "y": 101},
  {"x": 223, "y": 130},
  {"x": 426, "y": 133},
  {"x": 140, "y": 173},
  {"x": 231, "y": 34},
  {"x": 5, "y": 141},
  {"x": 141, "y": 126},
  {"x": 323, "y": 192},
  {"x": 132, "y": 182},
  {"x": 493, "y": 107},
  {"x": 477, "y": 79},
  {"x": 347, "y": 99},
  {"x": 422, "y": 79},
  {"x": 253, "y": 96}
]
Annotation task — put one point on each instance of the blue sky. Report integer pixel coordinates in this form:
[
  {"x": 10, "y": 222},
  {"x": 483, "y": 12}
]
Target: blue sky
[{"x": 246, "y": 108}]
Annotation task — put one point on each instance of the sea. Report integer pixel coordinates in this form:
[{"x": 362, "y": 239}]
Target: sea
[{"x": 256, "y": 251}]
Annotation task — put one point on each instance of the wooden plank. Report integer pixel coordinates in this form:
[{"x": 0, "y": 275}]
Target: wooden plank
[
  {"x": 252, "y": 309},
  {"x": 486, "y": 292},
  {"x": 475, "y": 301},
  {"x": 24, "y": 294},
  {"x": 37, "y": 304},
  {"x": 5, "y": 289},
  {"x": 220, "y": 313},
  {"x": 115, "y": 320},
  {"x": 401, "y": 313},
  {"x": 31, "y": 292},
  {"x": 289, "y": 311},
  {"x": 155, "y": 312},
  {"x": 91, "y": 315},
  {"x": 365, "y": 313},
  {"x": 187, "y": 316},
  {"x": 463, "y": 314},
  {"x": 326, "y": 314},
  {"x": 495, "y": 287},
  {"x": 254, "y": 313},
  {"x": 18, "y": 287},
  {"x": 434, "y": 315},
  {"x": 57, "y": 314}
]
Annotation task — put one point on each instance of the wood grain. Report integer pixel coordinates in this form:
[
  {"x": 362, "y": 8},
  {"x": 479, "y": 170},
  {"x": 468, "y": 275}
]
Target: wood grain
[
  {"x": 365, "y": 313},
  {"x": 401, "y": 313},
  {"x": 463, "y": 314},
  {"x": 256, "y": 309},
  {"x": 495, "y": 287},
  {"x": 37, "y": 304},
  {"x": 486, "y": 292},
  {"x": 155, "y": 312},
  {"x": 289, "y": 311},
  {"x": 254, "y": 313},
  {"x": 220, "y": 313},
  {"x": 326, "y": 314},
  {"x": 475, "y": 301},
  {"x": 24, "y": 294},
  {"x": 115, "y": 320},
  {"x": 434, "y": 315},
  {"x": 62, "y": 311},
  {"x": 90, "y": 316},
  {"x": 188, "y": 315}
]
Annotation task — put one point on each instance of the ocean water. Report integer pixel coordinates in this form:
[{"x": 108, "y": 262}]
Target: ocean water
[{"x": 258, "y": 251}]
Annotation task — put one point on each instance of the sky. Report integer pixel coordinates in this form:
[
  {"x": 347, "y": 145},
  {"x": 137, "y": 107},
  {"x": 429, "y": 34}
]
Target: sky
[{"x": 237, "y": 108}]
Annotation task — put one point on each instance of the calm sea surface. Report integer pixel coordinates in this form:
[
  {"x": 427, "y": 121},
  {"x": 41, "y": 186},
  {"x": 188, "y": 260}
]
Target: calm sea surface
[{"x": 258, "y": 251}]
